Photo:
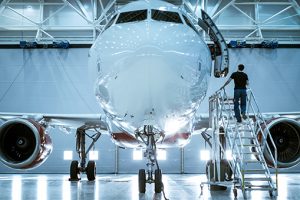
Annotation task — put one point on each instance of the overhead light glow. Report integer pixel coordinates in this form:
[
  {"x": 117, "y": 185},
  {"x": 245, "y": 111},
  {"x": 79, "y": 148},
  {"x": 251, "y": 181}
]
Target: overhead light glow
[
  {"x": 137, "y": 154},
  {"x": 173, "y": 125},
  {"x": 68, "y": 155},
  {"x": 29, "y": 8},
  {"x": 161, "y": 154},
  {"x": 93, "y": 155},
  {"x": 204, "y": 155},
  {"x": 86, "y": 6},
  {"x": 162, "y": 8},
  {"x": 228, "y": 155}
]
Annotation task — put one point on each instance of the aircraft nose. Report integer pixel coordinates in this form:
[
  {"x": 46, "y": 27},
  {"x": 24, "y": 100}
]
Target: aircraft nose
[{"x": 148, "y": 49}]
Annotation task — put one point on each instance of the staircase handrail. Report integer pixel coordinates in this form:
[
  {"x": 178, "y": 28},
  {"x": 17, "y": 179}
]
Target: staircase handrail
[{"x": 264, "y": 132}]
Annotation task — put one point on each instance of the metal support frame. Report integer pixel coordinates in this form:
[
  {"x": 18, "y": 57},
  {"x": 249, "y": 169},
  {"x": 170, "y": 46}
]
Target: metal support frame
[
  {"x": 2, "y": 6},
  {"x": 222, "y": 9},
  {"x": 99, "y": 16},
  {"x": 243, "y": 142}
]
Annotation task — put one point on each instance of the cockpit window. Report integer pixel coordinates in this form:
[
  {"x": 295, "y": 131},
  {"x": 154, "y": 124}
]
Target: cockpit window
[
  {"x": 165, "y": 16},
  {"x": 132, "y": 16},
  {"x": 187, "y": 21}
]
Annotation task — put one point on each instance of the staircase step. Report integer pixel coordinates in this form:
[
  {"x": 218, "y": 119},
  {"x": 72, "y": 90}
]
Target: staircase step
[
  {"x": 228, "y": 100},
  {"x": 257, "y": 171},
  {"x": 251, "y": 153},
  {"x": 248, "y": 137},
  {"x": 252, "y": 161},
  {"x": 248, "y": 145},
  {"x": 262, "y": 187},
  {"x": 257, "y": 179},
  {"x": 243, "y": 130},
  {"x": 227, "y": 109}
]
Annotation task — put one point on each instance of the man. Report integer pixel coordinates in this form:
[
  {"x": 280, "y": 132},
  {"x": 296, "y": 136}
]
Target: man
[{"x": 240, "y": 91}]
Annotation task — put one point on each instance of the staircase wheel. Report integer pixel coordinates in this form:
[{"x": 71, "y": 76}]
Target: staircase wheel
[
  {"x": 74, "y": 171},
  {"x": 158, "y": 181},
  {"x": 91, "y": 170},
  {"x": 142, "y": 181},
  {"x": 271, "y": 193},
  {"x": 235, "y": 192}
]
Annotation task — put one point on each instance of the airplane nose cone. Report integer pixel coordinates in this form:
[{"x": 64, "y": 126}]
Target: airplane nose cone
[{"x": 150, "y": 73}]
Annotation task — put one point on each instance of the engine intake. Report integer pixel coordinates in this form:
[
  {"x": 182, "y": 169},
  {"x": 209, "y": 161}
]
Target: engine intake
[
  {"x": 24, "y": 144},
  {"x": 286, "y": 136}
]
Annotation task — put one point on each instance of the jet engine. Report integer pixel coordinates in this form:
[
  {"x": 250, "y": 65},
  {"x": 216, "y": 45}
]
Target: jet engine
[
  {"x": 286, "y": 136},
  {"x": 24, "y": 144}
]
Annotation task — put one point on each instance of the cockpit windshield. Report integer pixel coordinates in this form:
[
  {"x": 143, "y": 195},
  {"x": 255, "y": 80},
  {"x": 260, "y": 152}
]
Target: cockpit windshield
[
  {"x": 166, "y": 16},
  {"x": 132, "y": 16}
]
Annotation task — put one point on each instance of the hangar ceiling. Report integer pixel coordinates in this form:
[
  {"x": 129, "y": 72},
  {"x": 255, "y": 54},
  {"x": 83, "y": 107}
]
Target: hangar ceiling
[{"x": 79, "y": 21}]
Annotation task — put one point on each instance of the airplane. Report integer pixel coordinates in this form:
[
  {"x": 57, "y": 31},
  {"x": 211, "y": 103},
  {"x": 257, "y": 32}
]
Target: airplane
[{"x": 153, "y": 69}]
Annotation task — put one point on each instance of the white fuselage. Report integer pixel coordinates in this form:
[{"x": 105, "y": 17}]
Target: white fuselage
[{"x": 151, "y": 72}]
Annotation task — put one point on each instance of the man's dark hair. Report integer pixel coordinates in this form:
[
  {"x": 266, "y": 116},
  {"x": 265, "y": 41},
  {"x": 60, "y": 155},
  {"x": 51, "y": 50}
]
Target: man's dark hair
[{"x": 241, "y": 67}]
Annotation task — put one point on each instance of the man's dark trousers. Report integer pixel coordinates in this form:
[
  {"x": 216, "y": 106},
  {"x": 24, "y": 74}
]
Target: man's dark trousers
[{"x": 240, "y": 94}]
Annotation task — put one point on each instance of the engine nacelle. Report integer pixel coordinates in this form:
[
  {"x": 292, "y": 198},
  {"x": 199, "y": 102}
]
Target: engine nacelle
[
  {"x": 286, "y": 136},
  {"x": 24, "y": 144}
]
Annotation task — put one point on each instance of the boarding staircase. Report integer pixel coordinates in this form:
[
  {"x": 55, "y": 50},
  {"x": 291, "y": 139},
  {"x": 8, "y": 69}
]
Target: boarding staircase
[{"x": 247, "y": 142}]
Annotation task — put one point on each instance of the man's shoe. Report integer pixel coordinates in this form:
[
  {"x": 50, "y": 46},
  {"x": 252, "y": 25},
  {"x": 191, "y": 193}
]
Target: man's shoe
[
  {"x": 244, "y": 116},
  {"x": 239, "y": 121}
]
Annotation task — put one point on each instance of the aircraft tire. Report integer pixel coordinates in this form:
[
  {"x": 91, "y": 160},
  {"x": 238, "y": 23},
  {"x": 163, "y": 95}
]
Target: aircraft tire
[
  {"x": 142, "y": 181},
  {"x": 158, "y": 181},
  {"x": 74, "y": 171},
  {"x": 91, "y": 170}
]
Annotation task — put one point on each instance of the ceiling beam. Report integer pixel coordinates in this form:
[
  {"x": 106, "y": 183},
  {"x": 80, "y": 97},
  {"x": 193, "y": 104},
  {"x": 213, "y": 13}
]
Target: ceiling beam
[
  {"x": 263, "y": 3},
  {"x": 53, "y": 14},
  {"x": 2, "y": 5},
  {"x": 83, "y": 10},
  {"x": 296, "y": 6},
  {"x": 222, "y": 9},
  {"x": 253, "y": 20},
  {"x": 37, "y": 24},
  {"x": 213, "y": 11},
  {"x": 278, "y": 13},
  {"x": 78, "y": 12}
]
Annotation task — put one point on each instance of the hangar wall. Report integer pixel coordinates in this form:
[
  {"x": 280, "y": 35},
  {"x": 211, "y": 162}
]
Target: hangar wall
[{"x": 60, "y": 81}]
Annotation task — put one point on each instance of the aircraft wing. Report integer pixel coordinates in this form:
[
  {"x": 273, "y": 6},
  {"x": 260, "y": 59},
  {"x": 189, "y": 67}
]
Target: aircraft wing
[
  {"x": 202, "y": 120},
  {"x": 64, "y": 121}
]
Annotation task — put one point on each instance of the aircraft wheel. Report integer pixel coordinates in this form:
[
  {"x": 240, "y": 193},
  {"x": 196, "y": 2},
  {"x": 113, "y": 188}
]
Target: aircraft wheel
[
  {"x": 74, "y": 171},
  {"x": 142, "y": 181},
  {"x": 91, "y": 170},
  {"x": 158, "y": 181}
]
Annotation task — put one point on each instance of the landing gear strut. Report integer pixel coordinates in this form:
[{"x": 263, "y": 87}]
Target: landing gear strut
[
  {"x": 76, "y": 168},
  {"x": 151, "y": 175}
]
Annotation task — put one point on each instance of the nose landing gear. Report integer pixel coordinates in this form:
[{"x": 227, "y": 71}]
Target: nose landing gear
[{"x": 152, "y": 176}]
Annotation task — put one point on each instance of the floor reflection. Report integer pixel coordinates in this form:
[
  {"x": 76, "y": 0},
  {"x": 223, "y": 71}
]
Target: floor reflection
[
  {"x": 50, "y": 187},
  {"x": 16, "y": 185}
]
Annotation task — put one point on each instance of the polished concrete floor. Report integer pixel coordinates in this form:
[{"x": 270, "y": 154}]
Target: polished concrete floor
[{"x": 119, "y": 187}]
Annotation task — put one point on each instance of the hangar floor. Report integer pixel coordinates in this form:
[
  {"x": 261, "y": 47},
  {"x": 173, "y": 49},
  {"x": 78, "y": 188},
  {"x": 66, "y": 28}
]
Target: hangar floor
[{"x": 57, "y": 186}]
